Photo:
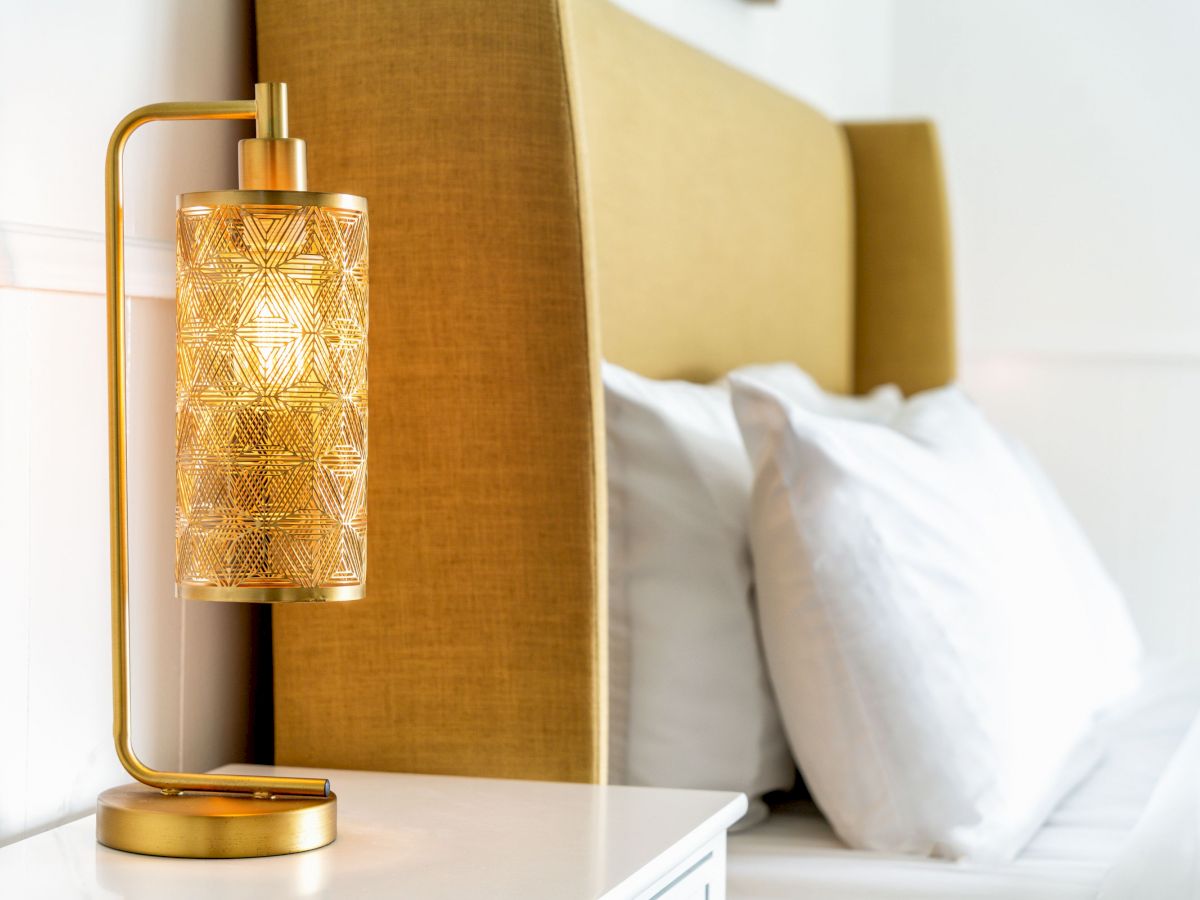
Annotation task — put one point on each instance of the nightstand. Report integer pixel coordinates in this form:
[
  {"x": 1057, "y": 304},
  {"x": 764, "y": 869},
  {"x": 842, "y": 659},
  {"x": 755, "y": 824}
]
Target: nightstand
[{"x": 425, "y": 836}]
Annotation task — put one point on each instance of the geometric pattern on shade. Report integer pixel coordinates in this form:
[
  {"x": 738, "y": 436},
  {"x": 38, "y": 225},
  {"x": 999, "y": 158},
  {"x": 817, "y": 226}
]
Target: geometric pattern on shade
[{"x": 271, "y": 396}]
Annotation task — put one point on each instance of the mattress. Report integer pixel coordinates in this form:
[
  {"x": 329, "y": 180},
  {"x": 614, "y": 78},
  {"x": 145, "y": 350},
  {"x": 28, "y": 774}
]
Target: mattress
[{"x": 1101, "y": 834}]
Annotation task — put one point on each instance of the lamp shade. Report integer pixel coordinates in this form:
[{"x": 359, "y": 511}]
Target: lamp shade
[{"x": 271, "y": 396}]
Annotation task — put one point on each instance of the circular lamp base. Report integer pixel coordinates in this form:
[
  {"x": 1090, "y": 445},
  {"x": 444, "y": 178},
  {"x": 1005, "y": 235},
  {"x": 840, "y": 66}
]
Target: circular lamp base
[{"x": 140, "y": 819}]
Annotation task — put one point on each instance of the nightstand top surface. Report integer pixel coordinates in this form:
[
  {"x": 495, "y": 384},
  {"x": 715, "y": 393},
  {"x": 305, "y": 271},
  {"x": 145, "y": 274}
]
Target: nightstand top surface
[{"x": 420, "y": 836}]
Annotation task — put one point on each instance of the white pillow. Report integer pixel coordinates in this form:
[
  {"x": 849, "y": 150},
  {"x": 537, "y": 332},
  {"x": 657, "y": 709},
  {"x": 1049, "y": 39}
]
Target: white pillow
[
  {"x": 798, "y": 387},
  {"x": 689, "y": 701},
  {"x": 927, "y": 641}
]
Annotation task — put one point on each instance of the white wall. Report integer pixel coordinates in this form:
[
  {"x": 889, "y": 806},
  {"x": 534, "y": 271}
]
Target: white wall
[
  {"x": 834, "y": 53},
  {"x": 1069, "y": 131},
  {"x": 189, "y": 663}
]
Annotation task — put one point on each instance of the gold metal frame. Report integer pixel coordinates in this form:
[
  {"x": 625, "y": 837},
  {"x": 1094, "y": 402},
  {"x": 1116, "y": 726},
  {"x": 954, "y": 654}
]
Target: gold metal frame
[
  {"x": 332, "y": 594},
  {"x": 212, "y": 826},
  {"x": 273, "y": 198},
  {"x": 160, "y": 821}
]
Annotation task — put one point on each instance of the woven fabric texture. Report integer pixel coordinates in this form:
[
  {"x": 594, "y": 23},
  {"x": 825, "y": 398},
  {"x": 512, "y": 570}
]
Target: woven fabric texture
[
  {"x": 719, "y": 209},
  {"x": 904, "y": 315},
  {"x": 475, "y": 650}
]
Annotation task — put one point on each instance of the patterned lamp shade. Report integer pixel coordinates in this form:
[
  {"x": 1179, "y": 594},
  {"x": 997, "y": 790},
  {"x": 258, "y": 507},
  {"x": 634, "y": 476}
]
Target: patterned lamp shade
[{"x": 271, "y": 396}]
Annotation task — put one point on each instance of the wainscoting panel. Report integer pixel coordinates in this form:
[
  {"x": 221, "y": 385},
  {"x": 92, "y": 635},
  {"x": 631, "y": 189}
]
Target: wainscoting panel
[{"x": 190, "y": 662}]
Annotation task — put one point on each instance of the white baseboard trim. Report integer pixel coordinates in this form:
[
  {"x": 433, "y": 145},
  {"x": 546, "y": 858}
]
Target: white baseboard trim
[{"x": 41, "y": 258}]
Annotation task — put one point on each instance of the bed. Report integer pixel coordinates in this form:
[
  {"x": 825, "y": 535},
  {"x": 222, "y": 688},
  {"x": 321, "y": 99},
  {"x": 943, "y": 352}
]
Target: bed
[
  {"x": 554, "y": 183},
  {"x": 1103, "y": 835}
]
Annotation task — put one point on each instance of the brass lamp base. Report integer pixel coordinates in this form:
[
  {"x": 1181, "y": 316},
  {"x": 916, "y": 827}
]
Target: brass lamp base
[{"x": 140, "y": 819}]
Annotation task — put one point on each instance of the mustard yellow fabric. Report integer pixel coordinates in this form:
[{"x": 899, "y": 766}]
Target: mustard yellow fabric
[
  {"x": 904, "y": 320},
  {"x": 476, "y": 650},
  {"x": 719, "y": 210},
  {"x": 550, "y": 181}
]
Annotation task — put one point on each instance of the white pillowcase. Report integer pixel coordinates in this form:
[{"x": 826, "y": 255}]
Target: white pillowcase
[
  {"x": 793, "y": 384},
  {"x": 689, "y": 702},
  {"x": 927, "y": 638}
]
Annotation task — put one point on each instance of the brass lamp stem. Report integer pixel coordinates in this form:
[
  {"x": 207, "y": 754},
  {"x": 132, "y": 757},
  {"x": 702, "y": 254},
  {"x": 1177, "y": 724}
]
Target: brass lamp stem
[
  {"x": 270, "y": 110},
  {"x": 272, "y": 161}
]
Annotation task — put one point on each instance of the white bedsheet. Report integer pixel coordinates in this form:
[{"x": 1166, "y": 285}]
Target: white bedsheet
[{"x": 795, "y": 856}]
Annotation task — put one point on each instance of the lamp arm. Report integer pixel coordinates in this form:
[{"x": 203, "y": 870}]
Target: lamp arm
[{"x": 114, "y": 213}]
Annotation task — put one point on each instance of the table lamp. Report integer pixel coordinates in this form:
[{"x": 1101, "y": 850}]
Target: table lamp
[{"x": 271, "y": 450}]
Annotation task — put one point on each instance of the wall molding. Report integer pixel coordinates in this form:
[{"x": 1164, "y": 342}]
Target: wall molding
[{"x": 43, "y": 258}]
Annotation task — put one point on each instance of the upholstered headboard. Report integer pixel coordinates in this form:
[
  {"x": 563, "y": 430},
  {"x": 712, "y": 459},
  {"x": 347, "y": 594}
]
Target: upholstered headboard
[{"x": 550, "y": 180}]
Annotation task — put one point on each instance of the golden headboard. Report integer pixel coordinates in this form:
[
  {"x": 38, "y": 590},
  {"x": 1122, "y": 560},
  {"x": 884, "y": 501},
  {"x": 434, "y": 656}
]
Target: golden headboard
[
  {"x": 719, "y": 209},
  {"x": 547, "y": 177}
]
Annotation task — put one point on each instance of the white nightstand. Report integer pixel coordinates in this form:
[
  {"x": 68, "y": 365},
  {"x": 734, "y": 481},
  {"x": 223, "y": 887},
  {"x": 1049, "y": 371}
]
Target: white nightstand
[{"x": 423, "y": 836}]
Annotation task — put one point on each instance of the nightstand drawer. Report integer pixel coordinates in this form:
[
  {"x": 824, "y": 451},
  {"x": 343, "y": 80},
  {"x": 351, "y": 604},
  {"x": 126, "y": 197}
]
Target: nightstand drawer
[{"x": 699, "y": 877}]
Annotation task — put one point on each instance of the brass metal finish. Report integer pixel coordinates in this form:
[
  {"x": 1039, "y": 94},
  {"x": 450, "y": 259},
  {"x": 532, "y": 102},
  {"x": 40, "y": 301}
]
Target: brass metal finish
[
  {"x": 349, "y": 202},
  {"x": 335, "y": 594},
  {"x": 271, "y": 111},
  {"x": 271, "y": 399},
  {"x": 118, "y": 478},
  {"x": 139, "y": 819},
  {"x": 272, "y": 161},
  {"x": 278, "y": 164}
]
